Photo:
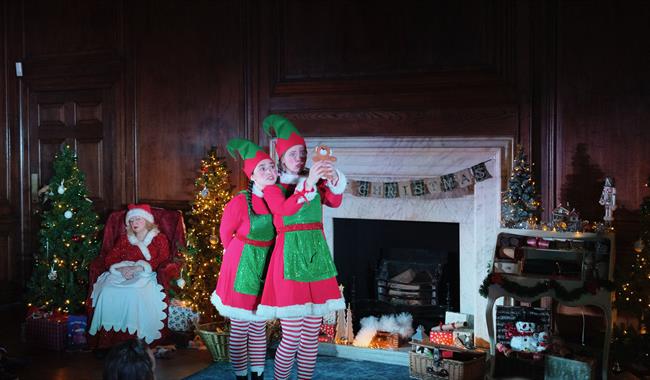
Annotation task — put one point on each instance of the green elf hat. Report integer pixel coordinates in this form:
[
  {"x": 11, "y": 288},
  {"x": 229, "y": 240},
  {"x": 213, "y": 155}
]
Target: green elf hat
[
  {"x": 285, "y": 131},
  {"x": 250, "y": 152}
]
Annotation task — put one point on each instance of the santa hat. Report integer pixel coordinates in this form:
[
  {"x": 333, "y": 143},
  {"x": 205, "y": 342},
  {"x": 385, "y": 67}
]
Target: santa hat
[
  {"x": 285, "y": 131},
  {"x": 250, "y": 152},
  {"x": 142, "y": 210}
]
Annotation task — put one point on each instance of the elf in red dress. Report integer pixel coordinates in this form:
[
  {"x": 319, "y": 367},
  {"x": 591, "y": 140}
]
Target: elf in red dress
[
  {"x": 247, "y": 234},
  {"x": 301, "y": 282},
  {"x": 128, "y": 297}
]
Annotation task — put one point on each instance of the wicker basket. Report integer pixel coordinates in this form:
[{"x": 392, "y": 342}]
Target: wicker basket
[
  {"x": 215, "y": 341},
  {"x": 464, "y": 366}
]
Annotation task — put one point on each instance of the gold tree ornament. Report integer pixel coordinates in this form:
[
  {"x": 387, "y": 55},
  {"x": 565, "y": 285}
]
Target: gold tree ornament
[{"x": 639, "y": 245}]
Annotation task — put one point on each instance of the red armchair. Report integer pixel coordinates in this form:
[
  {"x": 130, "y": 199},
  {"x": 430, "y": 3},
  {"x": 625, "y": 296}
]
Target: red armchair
[{"x": 170, "y": 223}]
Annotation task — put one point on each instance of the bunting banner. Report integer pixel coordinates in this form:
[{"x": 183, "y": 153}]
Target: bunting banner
[{"x": 455, "y": 184}]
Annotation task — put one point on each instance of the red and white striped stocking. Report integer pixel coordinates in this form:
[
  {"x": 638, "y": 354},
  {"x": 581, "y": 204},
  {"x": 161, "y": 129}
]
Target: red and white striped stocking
[
  {"x": 247, "y": 339},
  {"x": 308, "y": 346},
  {"x": 284, "y": 356}
]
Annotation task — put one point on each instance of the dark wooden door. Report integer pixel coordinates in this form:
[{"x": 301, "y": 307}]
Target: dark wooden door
[{"x": 82, "y": 119}]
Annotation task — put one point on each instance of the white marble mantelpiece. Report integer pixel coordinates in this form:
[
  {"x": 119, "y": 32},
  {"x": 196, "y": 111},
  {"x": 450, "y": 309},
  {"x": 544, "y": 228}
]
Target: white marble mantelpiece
[{"x": 386, "y": 158}]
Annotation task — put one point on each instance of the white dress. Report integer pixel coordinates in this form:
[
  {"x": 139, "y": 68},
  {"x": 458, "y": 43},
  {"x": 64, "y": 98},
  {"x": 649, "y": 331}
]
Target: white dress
[{"x": 135, "y": 305}]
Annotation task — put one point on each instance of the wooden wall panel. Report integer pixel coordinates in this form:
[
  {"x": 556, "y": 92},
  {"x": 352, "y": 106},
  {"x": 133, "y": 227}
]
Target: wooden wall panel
[
  {"x": 70, "y": 27},
  {"x": 603, "y": 108},
  {"x": 422, "y": 69},
  {"x": 343, "y": 39},
  {"x": 603, "y": 100},
  {"x": 189, "y": 91},
  {"x": 5, "y": 173}
]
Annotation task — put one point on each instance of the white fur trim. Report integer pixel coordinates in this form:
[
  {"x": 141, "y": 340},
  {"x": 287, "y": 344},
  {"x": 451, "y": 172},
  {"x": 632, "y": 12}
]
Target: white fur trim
[
  {"x": 300, "y": 186},
  {"x": 144, "y": 243},
  {"x": 235, "y": 312},
  {"x": 138, "y": 212},
  {"x": 317, "y": 309},
  {"x": 289, "y": 178},
  {"x": 340, "y": 186},
  {"x": 257, "y": 191}
]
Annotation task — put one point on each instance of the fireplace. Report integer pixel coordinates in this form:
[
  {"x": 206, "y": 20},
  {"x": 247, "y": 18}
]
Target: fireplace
[
  {"x": 476, "y": 215},
  {"x": 391, "y": 266}
]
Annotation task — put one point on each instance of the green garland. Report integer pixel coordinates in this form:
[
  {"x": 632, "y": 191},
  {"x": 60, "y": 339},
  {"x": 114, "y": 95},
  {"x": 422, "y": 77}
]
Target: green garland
[{"x": 561, "y": 292}]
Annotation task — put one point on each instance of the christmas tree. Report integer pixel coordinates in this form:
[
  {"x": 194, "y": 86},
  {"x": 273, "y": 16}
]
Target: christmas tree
[
  {"x": 68, "y": 240},
  {"x": 520, "y": 206},
  {"x": 634, "y": 291},
  {"x": 203, "y": 252}
]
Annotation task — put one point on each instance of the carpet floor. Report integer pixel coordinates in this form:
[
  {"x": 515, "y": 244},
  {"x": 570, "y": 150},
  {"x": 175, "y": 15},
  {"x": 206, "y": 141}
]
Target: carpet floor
[{"x": 327, "y": 368}]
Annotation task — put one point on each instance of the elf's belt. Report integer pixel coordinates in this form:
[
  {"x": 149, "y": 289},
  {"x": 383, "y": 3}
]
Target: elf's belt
[
  {"x": 300, "y": 227},
  {"x": 257, "y": 243}
]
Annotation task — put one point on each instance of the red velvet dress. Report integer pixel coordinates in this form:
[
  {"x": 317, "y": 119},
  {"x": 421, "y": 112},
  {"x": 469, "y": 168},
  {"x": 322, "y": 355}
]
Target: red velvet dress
[
  {"x": 132, "y": 305},
  {"x": 234, "y": 229},
  {"x": 285, "y": 298}
]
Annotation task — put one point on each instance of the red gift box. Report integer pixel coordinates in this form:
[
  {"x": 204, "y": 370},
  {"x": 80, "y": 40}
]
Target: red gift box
[
  {"x": 49, "y": 333},
  {"x": 445, "y": 338},
  {"x": 327, "y": 333}
]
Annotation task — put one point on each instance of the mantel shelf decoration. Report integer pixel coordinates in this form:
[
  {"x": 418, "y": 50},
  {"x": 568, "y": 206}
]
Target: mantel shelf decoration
[{"x": 455, "y": 184}]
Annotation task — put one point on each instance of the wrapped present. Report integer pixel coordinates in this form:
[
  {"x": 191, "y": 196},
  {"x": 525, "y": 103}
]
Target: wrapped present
[
  {"x": 464, "y": 338},
  {"x": 181, "y": 318},
  {"x": 49, "y": 333},
  {"x": 327, "y": 333},
  {"x": 76, "y": 330},
  {"x": 445, "y": 338}
]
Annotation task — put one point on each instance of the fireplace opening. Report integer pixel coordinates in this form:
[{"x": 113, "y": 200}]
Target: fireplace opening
[{"x": 389, "y": 266}]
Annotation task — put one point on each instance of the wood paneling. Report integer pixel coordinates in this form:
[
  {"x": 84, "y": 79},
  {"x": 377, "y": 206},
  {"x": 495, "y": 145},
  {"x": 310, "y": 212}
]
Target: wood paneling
[
  {"x": 603, "y": 105},
  {"x": 4, "y": 125},
  {"x": 568, "y": 79},
  {"x": 343, "y": 39},
  {"x": 70, "y": 27},
  {"x": 189, "y": 91}
]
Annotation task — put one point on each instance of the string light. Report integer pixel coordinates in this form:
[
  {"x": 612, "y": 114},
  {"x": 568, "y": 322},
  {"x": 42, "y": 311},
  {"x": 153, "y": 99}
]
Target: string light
[{"x": 203, "y": 259}]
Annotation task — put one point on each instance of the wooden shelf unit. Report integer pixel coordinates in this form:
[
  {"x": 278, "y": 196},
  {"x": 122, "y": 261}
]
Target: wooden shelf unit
[{"x": 602, "y": 299}]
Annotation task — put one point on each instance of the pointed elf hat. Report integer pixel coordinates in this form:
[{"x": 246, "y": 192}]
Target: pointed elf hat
[
  {"x": 285, "y": 131},
  {"x": 250, "y": 152}
]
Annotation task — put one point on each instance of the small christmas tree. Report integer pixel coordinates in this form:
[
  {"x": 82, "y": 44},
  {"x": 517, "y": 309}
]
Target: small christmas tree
[
  {"x": 634, "y": 291},
  {"x": 68, "y": 240},
  {"x": 203, "y": 253},
  {"x": 520, "y": 206}
]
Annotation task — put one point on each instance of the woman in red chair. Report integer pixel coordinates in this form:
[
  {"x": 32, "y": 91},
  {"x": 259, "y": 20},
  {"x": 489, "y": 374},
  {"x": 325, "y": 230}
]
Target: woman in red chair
[{"x": 128, "y": 297}]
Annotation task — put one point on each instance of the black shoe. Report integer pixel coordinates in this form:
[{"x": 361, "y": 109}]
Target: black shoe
[
  {"x": 255, "y": 376},
  {"x": 241, "y": 377}
]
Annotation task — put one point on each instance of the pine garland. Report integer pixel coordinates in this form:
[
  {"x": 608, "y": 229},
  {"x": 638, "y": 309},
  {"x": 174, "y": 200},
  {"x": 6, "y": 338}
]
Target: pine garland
[{"x": 561, "y": 293}]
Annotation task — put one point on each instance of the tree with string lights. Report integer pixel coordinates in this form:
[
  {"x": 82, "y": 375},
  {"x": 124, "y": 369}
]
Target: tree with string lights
[
  {"x": 634, "y": 291},
  {"x": 520, "y": 205},
  {"x": 68, "y": 240},
  {"x": 203, "y": 252}
]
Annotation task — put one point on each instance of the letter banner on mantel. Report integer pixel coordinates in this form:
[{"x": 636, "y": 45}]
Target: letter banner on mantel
[{"x": 455, "y": 184}]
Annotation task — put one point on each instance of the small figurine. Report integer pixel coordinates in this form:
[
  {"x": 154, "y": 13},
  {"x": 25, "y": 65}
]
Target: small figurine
[
  {"x": 608, "y": 199},
  {"x": 419, "y": 334}
]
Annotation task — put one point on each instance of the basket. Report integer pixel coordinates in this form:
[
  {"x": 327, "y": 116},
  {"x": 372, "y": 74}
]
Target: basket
[
  {"x": 464, "y": 366},
  {"x": 215, "y": 341}
]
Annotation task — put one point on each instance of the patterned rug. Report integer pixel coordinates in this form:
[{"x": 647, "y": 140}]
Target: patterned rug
[{"x": 327, "y": 368}]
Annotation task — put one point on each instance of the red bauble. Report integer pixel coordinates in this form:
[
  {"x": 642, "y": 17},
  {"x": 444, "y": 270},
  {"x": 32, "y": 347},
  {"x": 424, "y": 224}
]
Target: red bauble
[{"x": 76, "y": 238}]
